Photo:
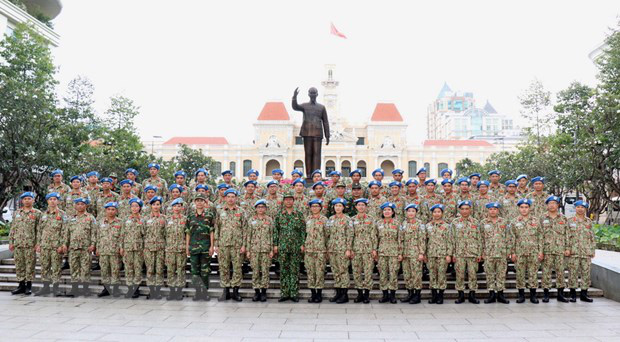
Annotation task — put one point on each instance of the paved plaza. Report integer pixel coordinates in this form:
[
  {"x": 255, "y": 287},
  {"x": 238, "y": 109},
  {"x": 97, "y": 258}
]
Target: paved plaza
[{"x": 92, "y": 319}]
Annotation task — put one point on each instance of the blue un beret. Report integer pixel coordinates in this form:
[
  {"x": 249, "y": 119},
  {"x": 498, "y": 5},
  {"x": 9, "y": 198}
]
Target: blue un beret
[
  {"x": 466, "y": 202},
  {"x": 395, "y": 183},
  {"x": 315, "y": 172},
  {"x": 398, "y": 171},
  {"x": 252, "y": 171},
  {"x": 250, "y": 182},
  {"x": 475, "y": 174},
  {"x": 525, "y": 201},
  {"x": 422, "y": 169},
  {"x": 82, "y": 200},
  {"x": 201, "y": 186},
  {"x": 56, "y": 172},
  {"x": 180, "y": 173},
  {"x": 280, "y": 171},
  {"x": 260, "y": 202},
  {"x": 106, "y": 179},
  {"x": 388, "y": 205},
  {"x": 231, "y": 191},
  {"x": 272, "y": 182},
  {"x": 318, "y": 184},
  {"x": 358, "y": 171},
  {"x": 553, "y": 198},
  {"x": 538, "y": 179},
  {"x": 379, "y": 171},
  {"x": 203, "y": 170},
  {"x": 494, "y": 172},
  {"x": 493, "y": 205},
  {"x": 411, "y": 180},
  {"x": 412, "y": 205},
  {"x": 361, "y": 200},
  {"x": 335, "y": 173},
  {"x": 446, "y": 170},
  {"x": 223, "y": 186},
  {"x": 137, "y": 200},
  {"x": 484, "y": 182},
  {"x": 463, "y": 179},
  {"x": 134, "y": 171},
  {"x": 74, "y": 178},
  {"x": 339, "y": 201},
  {"x": 126, "y": 181},
  {"x": 150, "y": 187},
  {"x": 27, "y": 194},
  {"x": 111, "y": 205},
  {"x": 225, "y": 172},
  {"x": 315, "y": 201},
  {"x": 155, "y": 199},
  {"x": 582, "y": 203},
  {"x": 50, "y": 195},
  {"x": 299, "y": 180},
  {"x": 374, "y": 182},
  {"x": 429, "y": 181},
  {"x": 446, "y": 181},
  {"x": 154, "y": 165},
  {"x": 175, "y": 186},
  {"x": 297, "y": 171},
  {"x": 519, "y": 177},
  {"x": 511, "y": 182},
  {"x": 178, "y": 201},
  {"x": 93, "y": 173},
  {"x": 438, "y": 206}
]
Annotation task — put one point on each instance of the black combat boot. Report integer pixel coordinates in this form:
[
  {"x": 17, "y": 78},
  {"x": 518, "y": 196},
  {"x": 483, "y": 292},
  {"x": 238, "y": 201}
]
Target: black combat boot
[
  {"x": 561, "y": 297},
  {"x": 545, "y": 296},
  {"x": 179, "y": 293},
  {"x": 521, "y": 297},
  {"x": 131, "y": 288},
  {"x": 385, "y": 298},
  {"x": 197, "y": 294},
  {"x": 584, "y": 296},
  {"x": 360, "y": 296},
  {"x": 75, "y": 290},
  {"x": 312, "y": 296},
  {"x": 573, "y": 295},
  {"x": 104, "y": 292},
  {"x": 366, "y": 296},
  {"x": 85, "y": 290},
  {"x": 226, "y": 294},
  {"x": 294, "y": 299},
  {"x": 172, "y": 293},
  {"x": 115, "y": 291},
  {"x": 283, "y": 299},
  {"x": 409, "y": 295},
  {"x": 533, "y": 298},
  {"x": 344, "y": 298},
  {"x": 45, "y": 290},
  {"x": 56, "y": 290},
  {"x": 492, "y": 297},
  {"x": 28, "y": 289},
  {"x": 501, "y": 298},
  {"x": 433, "y": 299},
  {"x": 319, "y": 295},
  {"x": 415, "y": 299},
  {"x": 461, "y": 298},
  {"x": 472, "y": 298},
  {"x": 440, "y": 297},
  {"x": 151, "y": 292},
  {"x": 256, "y": 297},
  {"x": 20, "y": 288},
  {"x": 263, "y": 295},
  {"x": 393, "y": 297},
  {"x": 136, "y": 292},
  {"x": 336, "y": 296},
  {"x": 235, "y": 296}
]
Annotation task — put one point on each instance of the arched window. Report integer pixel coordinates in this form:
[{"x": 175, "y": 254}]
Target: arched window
[
  {"x": 233, "y": 167},
  {"x": 345, "y": 168},
  {"x": 329, "y": 167},
  {"x": 271, "y": 165},
  {"x": 440, "y": 167},
  {"x": 361, "y": 165},
  {"x": 388, "y": 167},
  {"x": 413, "y": 168},
  {"x": 247, "y": 165},
  {"x": 217, "y": 169},
  {"x": 299, "y": 165}
]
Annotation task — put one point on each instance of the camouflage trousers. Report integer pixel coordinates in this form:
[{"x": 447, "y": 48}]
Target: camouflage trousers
[
  {"x": 527, "y": 267},
  {"x": 289, "y": 273},
  {"x": 25, "y": 260},
  {"x": 437, "y": 267},
  {"x": 260, "y": 262},
  {"x": 201, "y": 267},
  {"x": 495, "y": 270},
  {"x": 110, "y": 269},
  {"x": 230, "y": 255},
  {"x": 51, "y": 264},
  {"x": 472, "y": 267},
  {"x": 388, "y": 272},
  {"x": 579, "y": 267},
  {"x": 133, "y": 267},
  {"x": 339, "y": 264},
  {"x": 412, "y": 272},
  {"x": 80, "y": 262},
  {"x": 556, "y": 263},
  {"x": 315, "y": 269},
  {"x": 154, "y": 261},
  {"x": 175, "y": 263},
  {"x": 363, "y": 265}
]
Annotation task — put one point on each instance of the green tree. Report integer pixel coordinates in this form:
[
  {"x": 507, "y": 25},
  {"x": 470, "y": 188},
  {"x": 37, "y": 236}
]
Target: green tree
[
  {"x": 536, "y": 102},
  {"x": 121, "y": 113}
]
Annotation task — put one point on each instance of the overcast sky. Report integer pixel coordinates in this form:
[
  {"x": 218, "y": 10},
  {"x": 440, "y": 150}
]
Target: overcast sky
[{"x": 206, "y": 68}]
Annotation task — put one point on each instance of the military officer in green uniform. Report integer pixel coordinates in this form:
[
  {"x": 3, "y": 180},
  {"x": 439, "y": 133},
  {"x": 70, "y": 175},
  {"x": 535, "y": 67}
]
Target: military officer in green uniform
[{"x": 200, "y": 237}]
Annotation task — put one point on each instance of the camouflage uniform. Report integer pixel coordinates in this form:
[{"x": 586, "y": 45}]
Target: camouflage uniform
[
  {"x": 428, "y": 201},
  {"x": 289, "y": 235},
  {"x": 374, "y": 206},
  {"x": 23, "y": 236},
  {"x": 274, "y": 205},
  {"x": 62, "y": 188},
  {"x": 539, "y": 207},
  {"x": 330, "y": 207},
  {"x": 136, "y": 189},
  {"x": 92, "y": 191},
  {"x": 509, "y": 209},
  {"x": 101, "y": 200},
  {"x": 522, "y": 192},
  {"x": 479, "y": 211},
  {"x": 582, "y": 244},
  {"x": 167, "y": 207},
  {"x": 247, "y": 204},
  {"x": 162, "y": 185},
  {"x": 450, "y": 202},
  {"x": 497, "y": 242},
  {"x": 440, "y": 245},
  {"x": 124, "y": 209},
  {"x": 496, "y": 191},
  {"x": 79, "y": 235},
  {"x": 175, "y": 249},
  {"x": 301, "y": 203},
  {"x": 132, "y": 242},
  {"x": 154, "y": 248},
  {"x": 107, "y": 241},
  {"x": 365, "y": 240},
  {"x": 315, "y": 249},
  {"x": 527, "y": 244},
  {"x": 339, "y": 233},
  {"x": 68, "y": 201},
  {"x": 260, "y": 243},
  {"x": 467, "y": 247},
  {"x": 230, "y": 229},
  {"x": 49, "y": 238},
  {"x": 389, "y": 251},
  {"x": 422, "y": 214},
  {"x": 412, "y": 244},
  {"x": 555, "y": 242},
  {"x": 400, "y": 203}
]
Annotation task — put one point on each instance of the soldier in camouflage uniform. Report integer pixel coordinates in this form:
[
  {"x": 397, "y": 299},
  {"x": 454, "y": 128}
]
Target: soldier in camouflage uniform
[
  {"x": 466, "y": 192},
  {"x": 339, "y": 192},
  {"x": 22, "y": 242},
  {"x": 397, "y": 176},
  {"x": 107, "y": 244},
  {"x": 496, "y": 189},
  {"x": 149, "y": 193},
  {"x": 301, "y": 200},
  {"x": 75, "y": 193},
  {"x": 179, "y": 179},
  {"x": 339, "y": 233},
  {"x": 260, "y": 249},
  {"x": 174, "y": 191},
  {"x": 555, "y": 245},
  {"x": 430, "y": 198},
  {"x": 390, "y": 255},
  {"x": 249, "y": 197},
  {"x": 497, "y": 243},
  {"x": 375, "y": 200},
  {"x": 396, "y": 196},
  {"x": 273, "y": 199},
  {"x": 378, "y": 175},
  {"x": 92, "y": 186},
  {"x": 200, "y": 179},
  {"x": 421, "y": 174},
  {"x": 288, "y": 237},
  {"x": 356, "y": 193},
  {"x": 412, "y": 243},
  {"x": 365, "y": 242},
  {"x": 439, "y": 251},
  {"x": 315, "y": 249},
  {"x": 125, "y": 197},
  {"x": 582, "y": 245},
  {"x": 230, "y": 229},
  {"x": 356, "y": 176},
  {"x": 136, "y": 187},
  {"x": 79, "y": 234},
  {"x": 527, "y": 250},
  {"x": 106, "y": 195},
  {"x": 176, "y": 250},
  {"x": 318, "y": 189},
  {"x": 200, "y": 240},
  {"x": 509, "y": 209},
  {"x": 474, "y": 178},
  {"x": 482, "y": 199},
  {"x": 538, "y": 197},
  {"x": 49, "y": 244},
  {"x": 467, "y": 237},
  {"x": 330, "y": 191},
  {"x": 523, "y": 190},
  {"x": 132, "y": 247},
  {"x": 154, "y": 246},
  {"x": 449, "y": 199},
  {"x": 155, "y": 180},
  {"x": 58, "y": 186}
]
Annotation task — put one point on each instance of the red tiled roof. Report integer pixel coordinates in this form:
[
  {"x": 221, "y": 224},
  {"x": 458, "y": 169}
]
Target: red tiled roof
[
  {"x": 273, "y": 111},
  {"x": 386, "y": 112},
  {"x": 457, "y": 143},
  {"x": 197, "y": 141}
]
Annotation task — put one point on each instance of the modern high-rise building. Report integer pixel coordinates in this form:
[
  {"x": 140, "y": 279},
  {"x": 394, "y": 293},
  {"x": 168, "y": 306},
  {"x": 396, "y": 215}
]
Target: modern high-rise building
[{"x": 37, "y": 13}]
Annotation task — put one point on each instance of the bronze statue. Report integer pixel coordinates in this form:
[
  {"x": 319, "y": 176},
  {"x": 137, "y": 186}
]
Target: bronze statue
[{"x": 314, "y": 124}]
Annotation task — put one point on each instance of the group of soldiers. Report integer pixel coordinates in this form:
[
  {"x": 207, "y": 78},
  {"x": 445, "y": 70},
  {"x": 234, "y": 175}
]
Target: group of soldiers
[{"x": 403, "y": 224}]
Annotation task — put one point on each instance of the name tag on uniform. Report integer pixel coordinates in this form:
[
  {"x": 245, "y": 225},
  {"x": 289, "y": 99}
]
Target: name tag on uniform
[
  {"x": 44, "y": 217},
  {"x": 487, "y": 226},
  {"x": 254, "y": 222},
  {"x": 460, "y": 225},
  {"x": 546, "y": 221},
  {"x": 574, "y": 225}
]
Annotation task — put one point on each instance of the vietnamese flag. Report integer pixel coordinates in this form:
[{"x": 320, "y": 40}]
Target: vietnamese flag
[{"x": 335, "y": 32}]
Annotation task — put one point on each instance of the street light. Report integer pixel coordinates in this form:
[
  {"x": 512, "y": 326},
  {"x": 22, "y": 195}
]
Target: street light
[{"x": 153, "y": 143}]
